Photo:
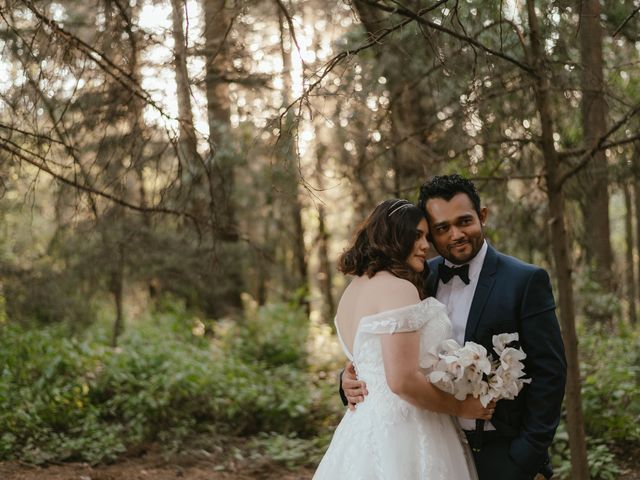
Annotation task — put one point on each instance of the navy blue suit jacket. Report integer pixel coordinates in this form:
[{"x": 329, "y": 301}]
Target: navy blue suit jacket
[{"x": 513, "y": 296}]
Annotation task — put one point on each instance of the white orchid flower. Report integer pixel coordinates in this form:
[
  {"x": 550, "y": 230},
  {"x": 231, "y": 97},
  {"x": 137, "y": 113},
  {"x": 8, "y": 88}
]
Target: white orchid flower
[
  {"x": 469, "y": 370},
  {"x": 502, "y": 340},
  {"x": 511, "y": 358}
]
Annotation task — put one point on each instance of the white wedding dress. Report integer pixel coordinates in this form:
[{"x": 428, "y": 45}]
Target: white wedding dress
[{"x": 387, "y": 438}]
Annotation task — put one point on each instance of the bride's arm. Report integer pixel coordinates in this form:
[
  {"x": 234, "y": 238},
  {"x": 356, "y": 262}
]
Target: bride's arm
[{"x": 400, "y": 353}]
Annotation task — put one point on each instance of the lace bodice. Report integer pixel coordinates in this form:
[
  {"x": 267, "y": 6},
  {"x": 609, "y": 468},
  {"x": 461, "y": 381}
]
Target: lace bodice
[{"x": 429, "y": 317}]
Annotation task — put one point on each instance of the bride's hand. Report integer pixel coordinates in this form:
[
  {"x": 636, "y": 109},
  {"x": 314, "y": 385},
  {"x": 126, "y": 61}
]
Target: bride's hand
[
  {"x": 472, "y": 408},
  {"x": 355, "y": 390}
]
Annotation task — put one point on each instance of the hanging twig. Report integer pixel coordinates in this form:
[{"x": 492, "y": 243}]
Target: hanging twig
[
  {"x": 40, "y": 164},
  {"x": 336, "y": 60},
  {"x": 121, "y": 76},
  {"x": 466, "y": 38},
  {"x": 626, "y": 21},
  {"x": 604, "y": 146},
  {"x": 598, "y": 146},
  {"x": 292, "y": 30},
  {"x": 30, "y": 134}
]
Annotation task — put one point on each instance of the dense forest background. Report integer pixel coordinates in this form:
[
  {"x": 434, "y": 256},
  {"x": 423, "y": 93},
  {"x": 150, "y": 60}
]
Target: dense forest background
[{"x": 177, "y": 180}]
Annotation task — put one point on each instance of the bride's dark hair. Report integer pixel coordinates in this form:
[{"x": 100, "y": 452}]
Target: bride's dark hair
[{"x": 384, "y": 241}]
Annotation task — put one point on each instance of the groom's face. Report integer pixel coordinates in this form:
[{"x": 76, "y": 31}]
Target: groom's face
[{"x": 455, "y": 227}]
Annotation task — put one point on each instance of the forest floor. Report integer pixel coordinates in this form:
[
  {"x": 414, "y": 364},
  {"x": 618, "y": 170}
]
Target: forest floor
[
  {"x": 147, "y": 469},
  {"x": 154, "y": 465}
]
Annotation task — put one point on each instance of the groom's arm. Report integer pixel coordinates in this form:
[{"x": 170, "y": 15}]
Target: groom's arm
[
  {"x": 352, "y": 390},
  {"x": 546, "y": 366},
  {"x": 343, "y": 397}
]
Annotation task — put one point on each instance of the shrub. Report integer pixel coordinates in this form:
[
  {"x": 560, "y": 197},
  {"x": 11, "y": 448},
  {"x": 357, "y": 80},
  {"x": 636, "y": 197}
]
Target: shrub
[
  {"x": 45, "y": 407},
  {"x": 610, "y": 371},
  {"x": 275, "y": 334},
  {"x": 64, "y": 398}
]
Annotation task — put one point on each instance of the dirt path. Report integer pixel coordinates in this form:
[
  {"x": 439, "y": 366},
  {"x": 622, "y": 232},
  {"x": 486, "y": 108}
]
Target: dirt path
[
  {"x": 191, "y": 466},
  {"x": 151, "y": 468},
  {"x": 142, "y": 471}
]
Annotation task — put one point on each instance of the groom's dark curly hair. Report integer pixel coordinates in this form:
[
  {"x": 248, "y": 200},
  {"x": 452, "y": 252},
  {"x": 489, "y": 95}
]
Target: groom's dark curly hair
[{"x": 446, "y": 187}]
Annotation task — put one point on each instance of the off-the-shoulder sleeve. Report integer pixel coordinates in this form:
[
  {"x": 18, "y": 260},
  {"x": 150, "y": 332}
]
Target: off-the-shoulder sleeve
[
  {"x": 429, "y": 317},
  {"x": 404, "y": 319}
]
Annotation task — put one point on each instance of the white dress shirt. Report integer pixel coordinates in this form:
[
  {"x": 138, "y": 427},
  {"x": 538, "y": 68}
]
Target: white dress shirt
[{"x": 458, "y": 297}]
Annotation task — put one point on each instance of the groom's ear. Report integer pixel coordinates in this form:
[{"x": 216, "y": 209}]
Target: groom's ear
[{"x": 484, "y": 214}]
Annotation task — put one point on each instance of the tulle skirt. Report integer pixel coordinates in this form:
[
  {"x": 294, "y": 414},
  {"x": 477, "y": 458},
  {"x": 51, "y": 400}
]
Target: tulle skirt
[{"x": 396, "y": 442}]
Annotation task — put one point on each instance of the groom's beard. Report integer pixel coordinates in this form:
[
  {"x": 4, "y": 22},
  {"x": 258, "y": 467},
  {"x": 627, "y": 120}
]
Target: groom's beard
[{"x": 459, "y": 256}]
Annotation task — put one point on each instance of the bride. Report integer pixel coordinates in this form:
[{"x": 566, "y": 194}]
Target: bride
[{"x": 404, "y": 430}]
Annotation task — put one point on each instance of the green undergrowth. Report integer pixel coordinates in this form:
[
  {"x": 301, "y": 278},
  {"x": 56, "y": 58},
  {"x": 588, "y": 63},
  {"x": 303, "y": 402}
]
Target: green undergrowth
[
  {"x": 66, "y": 397},
  {"x": 266, "y": 381},
  {"x": 610, "y": 374}
]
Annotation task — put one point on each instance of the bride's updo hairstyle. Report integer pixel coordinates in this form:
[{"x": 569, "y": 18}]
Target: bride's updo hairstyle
[{"x": 384, "y": 241}]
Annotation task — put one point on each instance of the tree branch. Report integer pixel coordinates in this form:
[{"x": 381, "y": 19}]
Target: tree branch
[
  {"x": 580, "y": 151},
  {"x": 337, "y": 59},
  {"x": 42, "y": 166},
  {"x": 586, "y": 158},
  {"x": 465, "y": 38},
  {"x": 626, "y": 21},
  {"x": 29, "y": 134},
  {"x": 292, "y": 30},
  {"x": 105, "y": 63}
]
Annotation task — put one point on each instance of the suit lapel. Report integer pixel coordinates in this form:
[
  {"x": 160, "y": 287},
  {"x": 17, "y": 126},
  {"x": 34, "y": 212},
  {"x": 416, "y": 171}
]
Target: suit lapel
[{"x": 483, "y": 289}]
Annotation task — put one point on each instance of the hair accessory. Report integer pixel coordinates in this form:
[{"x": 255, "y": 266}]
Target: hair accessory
[
  {"x": 397, "y": 209},
  {"x": 394, "y": 203}
]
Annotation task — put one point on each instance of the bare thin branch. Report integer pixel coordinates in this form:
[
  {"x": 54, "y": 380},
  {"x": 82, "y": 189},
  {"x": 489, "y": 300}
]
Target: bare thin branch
[
  {"x": 465, "y": 38},
  {"x": 287, "y": 15},
  {"x": 43, "y": 167},
  {"x": 586, "y": 158},
  {"x": 121, "y": 76},
  {"x": 604, "y": 146},
  {"x": 637, "y": 9},
  {"x": 29, "y": 134},
  {"x": 336, "y": 60}
]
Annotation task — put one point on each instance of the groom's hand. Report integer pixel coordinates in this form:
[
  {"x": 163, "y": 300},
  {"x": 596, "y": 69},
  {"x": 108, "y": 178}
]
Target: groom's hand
[{"x": 355, "y": 390}]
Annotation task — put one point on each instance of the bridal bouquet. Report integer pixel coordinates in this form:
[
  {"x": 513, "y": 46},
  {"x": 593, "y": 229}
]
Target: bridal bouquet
[{"x": 470, "y": 370}]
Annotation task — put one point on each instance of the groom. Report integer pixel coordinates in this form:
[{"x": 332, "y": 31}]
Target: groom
[{"x": 488, "y": 293}]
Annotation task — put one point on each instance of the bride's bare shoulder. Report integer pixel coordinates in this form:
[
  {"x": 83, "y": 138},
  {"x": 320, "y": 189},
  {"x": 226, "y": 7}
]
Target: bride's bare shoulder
[{"x": 390, "y": 291}]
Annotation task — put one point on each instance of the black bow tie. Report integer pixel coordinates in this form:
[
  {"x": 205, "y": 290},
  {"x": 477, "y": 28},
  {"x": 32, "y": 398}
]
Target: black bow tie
[{"x": 447, "y": 273}]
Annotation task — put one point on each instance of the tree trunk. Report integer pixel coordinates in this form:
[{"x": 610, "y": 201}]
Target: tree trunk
[
  {"x": 137, "y": 127},
  {"x": 111, "y": 223},
  {"x": 629, "y": 269},
  {"x": 138, "y": 133},
  {"x": 288, "y": 154},
  {"x": 325, "y": 277},
  {"x": 219, "y": 167},
  {"x": 636, "y": 197},
  {"x": 594, "y": 178},
  {"x": 187, "y": 141},
  {"x": 562, "y": 260},
  {"x": 266, "y": 253},
  {"x": 117, "y": 284},
  {"x": 221, "y": 177},
  {"x": 217, "y": 25},
  {"x": 299, "y": 252}
]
